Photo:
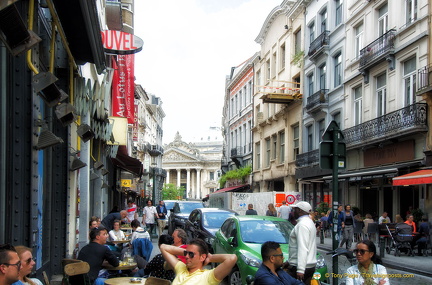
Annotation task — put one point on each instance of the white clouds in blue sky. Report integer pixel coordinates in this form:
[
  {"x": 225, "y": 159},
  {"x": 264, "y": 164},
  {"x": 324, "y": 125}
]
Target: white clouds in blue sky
[{"x": 189, "y": 48}]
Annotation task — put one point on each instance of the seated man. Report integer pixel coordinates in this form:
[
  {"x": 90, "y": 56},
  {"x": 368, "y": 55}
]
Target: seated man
[
  {"x": 197, "y": 256},
  {"x": 95, "y": 253},
  {"x": 270, "y": 271},
  {"x": 10, "y": 264}
]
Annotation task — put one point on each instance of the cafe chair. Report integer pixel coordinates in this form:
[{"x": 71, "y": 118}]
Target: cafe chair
[
  {"x": 77, "y": 273},
  {"x": 156, "y": 281},
  {"x": 45, "y": 277}
]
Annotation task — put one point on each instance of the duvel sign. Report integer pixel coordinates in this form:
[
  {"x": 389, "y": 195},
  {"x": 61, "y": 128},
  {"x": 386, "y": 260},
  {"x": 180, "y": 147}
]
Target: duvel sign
[{"x": 119, "y": 42}]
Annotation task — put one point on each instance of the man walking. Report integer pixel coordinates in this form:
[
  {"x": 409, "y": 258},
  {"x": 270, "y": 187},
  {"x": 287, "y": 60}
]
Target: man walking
[
  {"x": 10, "y": 264},
  {"x": 197, "y": 256},
  {"x": 270, "y": 271},
  {"x": 162, "y": 212},
  {"x": 149, "y": 217},
  {"x": 302, "y": 250},
  {"x": 284, "y": 211}
]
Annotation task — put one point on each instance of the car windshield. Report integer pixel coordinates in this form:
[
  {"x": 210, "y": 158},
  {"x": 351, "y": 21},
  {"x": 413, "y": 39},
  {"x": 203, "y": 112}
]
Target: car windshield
[
  {"x": 169, "y": 205},
  {"x": 189, "y": 207},
  {"x": 260, "y": 231},
  {"x": 215, "y": 219}
]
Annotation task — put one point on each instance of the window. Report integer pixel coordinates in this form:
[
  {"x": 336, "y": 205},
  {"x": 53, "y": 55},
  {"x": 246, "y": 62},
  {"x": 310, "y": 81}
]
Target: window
[
  {"x": 273, "y": 66},
  {"x": 250, "y": 91},
  {"x": 322, "y": 73},
  {"x": 338, "y": 70},
  {"x": 258, "y": 155},
  {"x": 381, "y": 94},
  {"x": 324, "y": 21},
  {"x": 297, "y": 44},
  {"x": 410, "y": 11},
  {"x": 258, "y": 77},
  {"x": 410, "y": 81},
  {"x": 311, "y": 33},
  {"x": 357, "y": 105},
  {"x": 240, "y": 140},
  {"x": 321, "y": 129},
  {"x": 282, "y": 57},
  {"x": 268, "y": 70},
  {"x": 383, "y": 20},
  {"x": 212, "y": 176},
  {"x": 268, "y": 149},
  {"x": 310, "y": 80},
  {"x": 235, "y": 104},
  {"x": 296, "y": 141},
  {"x": 274, "y": 146},
  {"x": 249, "y": 134},
  {"x": 281, "y": 147},
  {"x": 232, "y": 107},
  {"x": 358, "y": 39},
  {"x": 240, "y": 99},
  {"x": 244, "y": 135},
  {"x": 338, "y": 4},
  {"x": 309, "y": 138}
]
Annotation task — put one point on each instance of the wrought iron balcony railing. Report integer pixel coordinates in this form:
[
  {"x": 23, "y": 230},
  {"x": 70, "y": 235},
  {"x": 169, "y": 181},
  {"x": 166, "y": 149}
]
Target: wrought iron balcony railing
[
  {"x": 307, "y": 158},
  {"x": 156, "y": 150},
  {"x": 317, "y": 100},
  {"x": 424, "y": 76},
  {"x": 321, "y": 41},
  {"x": 405, "y": 121},
  {"x": 377, "y": 50},
  {"x": 236, "y": 151}
]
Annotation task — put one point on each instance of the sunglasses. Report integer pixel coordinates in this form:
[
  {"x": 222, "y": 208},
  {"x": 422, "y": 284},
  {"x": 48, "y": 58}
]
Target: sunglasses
[
  {"x": 190, "y": 253},
  {"x": 281, "y": 255},
  {"x": 28, "y": 261},
  {"x": 361, "y": 251},
  {"x": 18, "y": 265}
]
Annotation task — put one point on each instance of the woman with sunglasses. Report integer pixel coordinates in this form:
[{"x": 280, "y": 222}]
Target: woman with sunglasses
[
  {"x": 27, "y": 264},
  {"x": 369, "y": 269}
]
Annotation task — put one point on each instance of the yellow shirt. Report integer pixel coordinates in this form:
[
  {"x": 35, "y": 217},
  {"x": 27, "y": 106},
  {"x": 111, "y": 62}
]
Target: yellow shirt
[{"x": 198, "y": 277}]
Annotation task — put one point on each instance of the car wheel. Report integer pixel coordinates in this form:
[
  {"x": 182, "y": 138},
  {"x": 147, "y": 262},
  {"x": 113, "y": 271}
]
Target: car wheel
[{"x": 235, "y": 277}]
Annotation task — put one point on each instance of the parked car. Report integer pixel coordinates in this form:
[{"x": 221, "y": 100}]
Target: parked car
[
  {"x": 244, "y": 235},
  {"x": 203, "y": 223},
  {"x": 180, "y": 213}
]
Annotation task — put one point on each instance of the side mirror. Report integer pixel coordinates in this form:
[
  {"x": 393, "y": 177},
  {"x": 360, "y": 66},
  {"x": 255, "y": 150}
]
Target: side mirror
[{"x": 250, "y": 279}]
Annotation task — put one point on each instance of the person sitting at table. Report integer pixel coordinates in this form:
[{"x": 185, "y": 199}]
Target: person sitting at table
[
  {"x": 138, "y": 231},
  {"x": 410, "y": 221},
  {"x": 27, "y": 264},
  {"x": 95, "y": 254},
  {"x": 155, "y": 267},
  {"x": 93, "y": 224},
  {"x": 108, "y": 221},
  {"x": 116, "y": 234},
  {"x": 423, "y": 239},
  {"x": 197, "y": 256}
]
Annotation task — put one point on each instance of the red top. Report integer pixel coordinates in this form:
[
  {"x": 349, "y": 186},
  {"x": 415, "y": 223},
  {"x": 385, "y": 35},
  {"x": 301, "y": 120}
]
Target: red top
[{"x": 412, "y": 224}]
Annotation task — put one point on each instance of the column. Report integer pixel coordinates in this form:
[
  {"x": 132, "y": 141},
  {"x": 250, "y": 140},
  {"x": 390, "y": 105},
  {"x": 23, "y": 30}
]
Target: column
[
  {"x": 198, "y": 189},
  {"x": 178, "y": 177},
  {"x": 168, "y": 176},
  {"x": 188, "y": 188}
]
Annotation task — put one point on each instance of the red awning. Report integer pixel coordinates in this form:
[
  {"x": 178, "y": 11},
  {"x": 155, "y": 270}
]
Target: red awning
[
  {"x": 238, "y": 187},
  {"x": 414, "y": 178}
]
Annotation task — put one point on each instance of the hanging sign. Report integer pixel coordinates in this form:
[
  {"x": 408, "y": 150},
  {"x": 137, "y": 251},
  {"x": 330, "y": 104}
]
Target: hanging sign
[{"x": 119, "y": 42}]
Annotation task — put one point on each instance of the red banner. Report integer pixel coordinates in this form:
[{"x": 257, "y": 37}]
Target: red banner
[{"x": 123, "y": 87}]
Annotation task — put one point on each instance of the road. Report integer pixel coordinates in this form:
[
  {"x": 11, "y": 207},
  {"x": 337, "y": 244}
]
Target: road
[{"x": 401, "y": 277}]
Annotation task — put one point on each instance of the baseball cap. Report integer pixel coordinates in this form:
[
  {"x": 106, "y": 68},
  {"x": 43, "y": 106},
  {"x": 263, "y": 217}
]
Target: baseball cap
[{"x": 305, "y": 206}]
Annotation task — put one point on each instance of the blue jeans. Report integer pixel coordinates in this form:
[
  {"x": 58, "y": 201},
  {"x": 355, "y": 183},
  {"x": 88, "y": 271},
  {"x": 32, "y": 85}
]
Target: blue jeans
[{"x": 100, "y": 281}]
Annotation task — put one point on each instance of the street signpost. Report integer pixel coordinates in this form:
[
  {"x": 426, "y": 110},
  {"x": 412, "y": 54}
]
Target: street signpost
[{"x": 333, "y": 156}]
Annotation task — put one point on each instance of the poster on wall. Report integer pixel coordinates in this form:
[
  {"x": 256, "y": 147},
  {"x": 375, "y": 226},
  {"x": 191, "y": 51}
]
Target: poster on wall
[{"x": 123, "y": 87}]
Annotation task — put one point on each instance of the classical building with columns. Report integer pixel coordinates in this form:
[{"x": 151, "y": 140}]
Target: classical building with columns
[{"x": 195, "y": 166}]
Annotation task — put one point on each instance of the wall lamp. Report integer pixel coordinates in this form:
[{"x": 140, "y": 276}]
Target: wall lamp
[
  {"x": 65, "y": 113},
  {"x": 98, "y": 165},
  {"x": 85, "y": 132},
  {"x": 93, "y": 175},
  {"x": 46, "y": 137},
  {"x": 44, "y": 85},
  {"x": 76, "y": 162},
  {"x": 104, "y": 171}
]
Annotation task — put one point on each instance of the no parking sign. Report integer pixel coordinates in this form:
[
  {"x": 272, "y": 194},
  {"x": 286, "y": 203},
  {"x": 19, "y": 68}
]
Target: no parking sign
[{"x": 290, "y": 199}]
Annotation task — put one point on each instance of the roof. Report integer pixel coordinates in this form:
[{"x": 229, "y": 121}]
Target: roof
[{"x": 207, "y": 210}]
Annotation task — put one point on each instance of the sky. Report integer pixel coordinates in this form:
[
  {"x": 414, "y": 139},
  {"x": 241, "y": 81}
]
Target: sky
[{"x": 189, "y": 49}]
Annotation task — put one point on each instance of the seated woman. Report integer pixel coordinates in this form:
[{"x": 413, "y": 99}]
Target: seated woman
[
  {"x": 369, "y": 269},
  {"x": 155, "y": 267},
  {"x": 116, "y": 234},
  {"x": 27, "y": 264},
  {"x": 93, "y": 224}
]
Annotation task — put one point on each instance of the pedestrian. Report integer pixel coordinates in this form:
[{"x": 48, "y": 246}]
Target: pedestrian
[
  {"x": 95, "y": 254},
  {"x": 250, "y": 210},
  {"x": 302, "y": 249},
  {"x": 108, "y": 221},
  {"x": 10, "y": 264},
  {"x": 162, "y": 214},
  {"x": 27, "y": 264},
  {"x": 424, "y": 230},
  {"x": 131, "y": 210},
  {"x": 271, "y": 210},
  {"x": 369, "y": 269},
  {"x": 150, "y": 217},
  {"x": 348, "y": 225},
  {"x": 270, "y": 271},
  {"x": 284, "y": 211},
  {"x": 197, "y": 256}
]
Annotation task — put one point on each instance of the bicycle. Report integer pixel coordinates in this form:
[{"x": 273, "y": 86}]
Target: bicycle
[{"x": 349, "y": 260}]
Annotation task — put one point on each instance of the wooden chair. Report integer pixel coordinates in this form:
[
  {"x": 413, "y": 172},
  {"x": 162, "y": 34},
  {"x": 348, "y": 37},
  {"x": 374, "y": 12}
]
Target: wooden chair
[
  {"x": 79, "y": 271},
  {"x": 157, "y": 281},
  {"x": 45, "y": 276}
]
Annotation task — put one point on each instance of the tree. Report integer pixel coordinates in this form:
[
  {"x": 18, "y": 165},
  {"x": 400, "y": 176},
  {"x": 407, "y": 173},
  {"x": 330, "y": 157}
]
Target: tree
[{"x": 172, "y": 192}]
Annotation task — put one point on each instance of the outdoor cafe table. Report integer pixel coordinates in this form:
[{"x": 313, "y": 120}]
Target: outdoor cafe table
[
  {"x": 120, "y": 241},
  {"x": 123, "y": 281},
  {"x": 127, "y": 266}
]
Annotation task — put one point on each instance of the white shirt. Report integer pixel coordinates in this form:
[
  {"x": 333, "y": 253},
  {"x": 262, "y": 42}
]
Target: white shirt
[
  {"x": 131, "y": 212},
  {"x": 284, "y": 211},
  {"x": 149, "y": 214},
  {"x": 117, "y": 235},
  {"x": 139, "y": 233},
  {"x": 302, "y": 249},
  {"x": 353, "y": 276},
  {"x": 381, "y": 220}
]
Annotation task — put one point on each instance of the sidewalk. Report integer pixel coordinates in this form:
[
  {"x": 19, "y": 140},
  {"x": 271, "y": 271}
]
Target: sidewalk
[{"x": 410, "y": 264}]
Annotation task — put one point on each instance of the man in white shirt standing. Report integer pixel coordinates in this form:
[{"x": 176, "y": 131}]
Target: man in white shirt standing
[
  {"x": 284, "y": 211},
  {"x": 302, "y": 250},
  {"x": 149, "y": 217}
]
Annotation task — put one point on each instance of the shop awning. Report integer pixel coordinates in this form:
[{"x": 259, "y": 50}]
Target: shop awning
[
  {"x": 238, "y": 188},
  {"x": 414, "y": 178},
  {"x": 124, "y": 161}
]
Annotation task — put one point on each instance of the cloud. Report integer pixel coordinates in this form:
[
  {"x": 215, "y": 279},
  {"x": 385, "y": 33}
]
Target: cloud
[{"x": 189, "y": 48}]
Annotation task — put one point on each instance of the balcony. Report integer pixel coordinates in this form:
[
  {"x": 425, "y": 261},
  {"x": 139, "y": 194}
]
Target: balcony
[
  {"x": 379, "y": 50},
  {"x": 403, "y": 122},
  {"x": 308, "y": 158},
  {"x": 317, "y": 101},
  {"x": 320, "y": 44},
  {"x": 424, "y": 76},
  {"x": 156, "y": 150},
  {"x": 236, "y": 151}
]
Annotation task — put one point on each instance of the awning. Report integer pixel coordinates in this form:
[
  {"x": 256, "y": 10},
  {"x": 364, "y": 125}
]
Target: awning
[
  {"x": 124, "y": 161},
  {"x": 238, "y": 188},
  {"x": 414, "y": 178}
]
